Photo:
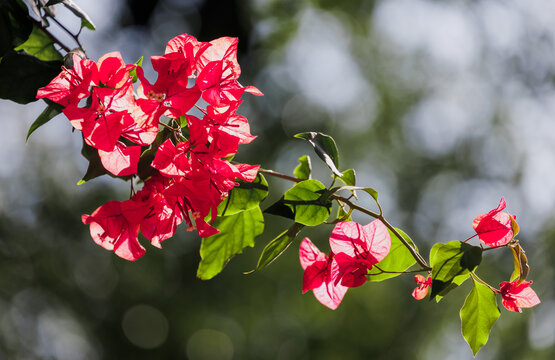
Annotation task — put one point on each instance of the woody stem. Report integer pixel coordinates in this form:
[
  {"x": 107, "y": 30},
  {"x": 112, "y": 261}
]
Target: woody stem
[{"x": 419, "y": 259}]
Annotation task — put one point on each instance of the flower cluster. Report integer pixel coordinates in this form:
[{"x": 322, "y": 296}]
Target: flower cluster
[
  {"x": 190, "y": 174},
  {"x": 495, "y": 229},
  {"x": 355, "y": 249}
]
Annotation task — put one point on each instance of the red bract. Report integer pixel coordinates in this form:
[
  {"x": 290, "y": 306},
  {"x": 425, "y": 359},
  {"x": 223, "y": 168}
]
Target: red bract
[
  {"x": 71, "y": 85},
  {"x": 516, "y": 296},
  {"x": 423, "y": 286},
  {"x": 318, "y": 275},
  {"x": 219, "y": 89},
  {"x": 112, "y": 230},
  {"x": 170, "y": 95},
  {"x": 496, "y": 228},
  {"x": 189, "y": 49},
  {"x": 193, "y": 175},
  {"x": 224, "y": 119},
  {"x": 163, "y": 212},
  {"x": 357, "y": 249},
  {"x": 112, "y": 71},
  {"x": 122, "y": 160}
]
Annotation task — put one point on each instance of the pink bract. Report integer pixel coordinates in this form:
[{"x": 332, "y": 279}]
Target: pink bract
[
  {"x": 318, "y": 275},
  {"x": 495, "y": 228},
  {"x": 357, "y": 249},
  {"x": 421, "y": 290},
  {"x": 517, "y": 296}
]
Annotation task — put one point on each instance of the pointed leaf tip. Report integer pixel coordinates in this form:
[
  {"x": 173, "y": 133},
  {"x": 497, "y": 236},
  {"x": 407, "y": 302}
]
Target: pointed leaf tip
[{"x": 325, "y": 147}]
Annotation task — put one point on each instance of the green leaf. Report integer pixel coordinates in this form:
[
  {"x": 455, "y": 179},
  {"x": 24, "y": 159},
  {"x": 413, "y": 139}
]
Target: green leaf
[
  {"x": 40, "y": 46},
  {"x": 52, "y": 109},
  {"x": 86, "y": 23},
  {"x": 133, "y": 72},
  {"x": 236, "y": 233},
  {"x": 304, "y": 169},
  {"x": 309, "y": 202},
  {"x": 450, "y": 260},
  {"x": 325, "y": 148},
  {"x": 478, "y": 315},
  {"x": 15, "y": 25},
  {"x": 244, "y": 197},
  {"x": 399, "y": 258},
  {"x": 349, "y": 177},
  {"x": 457, "y": 281},
  {"x": 21, "y": 75},
  {"x": 277, "y": 246}
]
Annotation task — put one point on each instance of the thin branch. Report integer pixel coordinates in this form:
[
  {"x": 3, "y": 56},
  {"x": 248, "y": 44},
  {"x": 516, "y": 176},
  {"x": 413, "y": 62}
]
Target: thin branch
[
  {"x": 475, "y": 277},
  {"x": 419, "y": 259},
  {"x": 49, "y": 34},
  {"x": 494, "y": 247},
  {"x": 398, "y": 272},
  {"x": 73, "y": 36},
  {"x": 279, "y": 175}
]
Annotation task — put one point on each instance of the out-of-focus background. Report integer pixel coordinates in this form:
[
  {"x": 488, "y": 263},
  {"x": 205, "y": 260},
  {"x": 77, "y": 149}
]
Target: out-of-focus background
[{"x": 443, "y": 107}]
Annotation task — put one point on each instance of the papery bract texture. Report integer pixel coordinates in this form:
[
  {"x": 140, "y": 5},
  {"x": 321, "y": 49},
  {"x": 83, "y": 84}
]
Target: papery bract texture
[
  {"x": 421, "y": 290},
  {"x": 318, "y": 275},
  {"x": 495, "y": 228},
  {"x": 516, "y": 296},
  {"x": 357, "y": 249},
  {"x": 112, "y": 230}
]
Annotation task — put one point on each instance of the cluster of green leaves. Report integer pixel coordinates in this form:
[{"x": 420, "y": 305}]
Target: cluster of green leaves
[
  {"x": 30, "y": 56},
  {"x": 452, "y": 263}
]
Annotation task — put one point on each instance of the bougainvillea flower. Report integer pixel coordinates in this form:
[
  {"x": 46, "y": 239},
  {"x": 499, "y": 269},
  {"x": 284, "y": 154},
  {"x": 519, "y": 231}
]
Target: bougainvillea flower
[
  {"x": 224, "y": 119},
  {"x": 112, "y": 70},
  {"x": 71, "y": 85},
  {"x": 516, "y": 296},
  {"x": 357, "y": 249},
  {"x": 122, "y": 160},
  {"x": 423, "y": 286},
  {"x": 224, "y": 49},
  {"x": 163, "y": 213},
  {"x": 219, "y": 89},
  {"x": 189, "y": 48},
  {"x": 113, "y": 231},
  {"x": 318, "y": 275},
  {"x": 173, "y": 97},
  {"x": 496, "y": 228}
]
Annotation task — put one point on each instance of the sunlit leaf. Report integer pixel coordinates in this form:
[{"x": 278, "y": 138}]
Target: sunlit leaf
[
  {"x": 133, "y": 72},
  {"x": 304, "y": 169},
  {"x": 236, "y": 233},
  {"x": 244, "y": 197},
  {"x": 478, "y": 315},
  {"x": 40, "y": 46},
  {"x": 457, "y": 281},
  {"x": 349, "y": 177},
  {"x": 450, "y": 260},
  {"x": 398, "y": 260},
  {"x": 52, "y": 110},
  {"x": 277, "y": 246},
  {"x": 308, "y": 202}
]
